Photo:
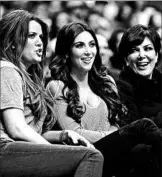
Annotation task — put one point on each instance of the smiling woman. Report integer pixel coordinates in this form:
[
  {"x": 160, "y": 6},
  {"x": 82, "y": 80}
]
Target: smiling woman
[
  {"x": 83, "y": 53},
  {"x": 143, "y": 58},
  {"x": 140, "y": 46}
]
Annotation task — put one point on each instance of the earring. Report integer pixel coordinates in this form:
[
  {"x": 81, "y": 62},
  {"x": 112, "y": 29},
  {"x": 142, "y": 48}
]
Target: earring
[{"x": 13, "y": 47}]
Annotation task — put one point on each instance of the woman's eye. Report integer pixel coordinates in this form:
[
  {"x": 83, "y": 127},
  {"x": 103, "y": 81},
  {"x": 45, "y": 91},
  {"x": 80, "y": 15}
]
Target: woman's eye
[
  {"x": 148, "y": 48},
  {"x": 31, "y": 35},
  {"x": 93, "y": 44},
  {"x": 79, "y": 45}
]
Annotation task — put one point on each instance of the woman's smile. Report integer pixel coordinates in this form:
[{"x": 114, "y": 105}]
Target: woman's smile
[
  {"x": 142, "y": 65},
  {"x": 87, "y": 60}
]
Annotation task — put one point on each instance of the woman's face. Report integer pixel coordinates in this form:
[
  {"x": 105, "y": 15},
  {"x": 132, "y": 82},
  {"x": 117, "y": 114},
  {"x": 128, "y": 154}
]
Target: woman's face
[
  {"x": 83, "y": 52},
  {"x": 33, "y": 49},
  {"x": 143, "y": 58}
]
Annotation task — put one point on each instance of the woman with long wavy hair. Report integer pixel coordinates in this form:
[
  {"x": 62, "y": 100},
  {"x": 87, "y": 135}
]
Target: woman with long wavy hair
[
  {"x": 88, "y": 101},
  {"x": 28, "y": 146}
]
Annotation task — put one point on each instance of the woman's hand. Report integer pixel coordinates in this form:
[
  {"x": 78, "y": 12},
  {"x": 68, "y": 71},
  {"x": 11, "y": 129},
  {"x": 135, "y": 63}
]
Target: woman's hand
[{"x": 73, "y": 138}]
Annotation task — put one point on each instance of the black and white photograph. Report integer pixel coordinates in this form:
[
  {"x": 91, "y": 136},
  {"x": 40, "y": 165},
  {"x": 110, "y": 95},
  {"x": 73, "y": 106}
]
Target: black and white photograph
[{"x": 80, "y": 88}]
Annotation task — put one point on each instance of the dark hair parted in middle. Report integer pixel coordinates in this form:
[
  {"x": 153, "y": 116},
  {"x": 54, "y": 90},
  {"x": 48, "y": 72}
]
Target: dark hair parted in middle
[
  {"x": 97, "y": 79},
  {"x": 135, "y": 35}
]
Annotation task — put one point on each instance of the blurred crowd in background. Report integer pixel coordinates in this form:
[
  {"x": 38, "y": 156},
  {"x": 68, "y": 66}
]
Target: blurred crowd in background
[{"x": 109, "y": 19}]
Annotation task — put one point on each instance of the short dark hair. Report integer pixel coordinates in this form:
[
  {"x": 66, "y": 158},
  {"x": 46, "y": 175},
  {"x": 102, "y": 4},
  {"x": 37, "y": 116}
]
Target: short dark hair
[{"x": 135, "y": 36}]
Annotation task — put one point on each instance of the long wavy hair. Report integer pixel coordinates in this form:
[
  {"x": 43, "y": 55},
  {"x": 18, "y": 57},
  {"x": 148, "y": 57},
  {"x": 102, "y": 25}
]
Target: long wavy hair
[
  {"x": 14, "y": 30},
  {"x": 60, "y": 68}
]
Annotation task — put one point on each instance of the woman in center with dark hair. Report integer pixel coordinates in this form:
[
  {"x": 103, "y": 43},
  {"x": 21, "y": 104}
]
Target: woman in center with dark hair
[{"x": 87, "y": 101}]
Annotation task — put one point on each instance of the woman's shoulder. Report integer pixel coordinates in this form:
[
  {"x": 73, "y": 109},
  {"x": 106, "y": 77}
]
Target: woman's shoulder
[
  {"x": 5, "y": 63},
  {"x": 54, "y": 87},
  {"x": 9, "y": 71}
]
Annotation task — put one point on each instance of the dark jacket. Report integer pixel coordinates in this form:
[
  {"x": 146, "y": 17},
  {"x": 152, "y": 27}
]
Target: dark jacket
[{"x": 146, "y": 93}]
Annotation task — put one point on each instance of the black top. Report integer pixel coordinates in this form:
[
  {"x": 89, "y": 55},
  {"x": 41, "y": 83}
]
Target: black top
[{"x": 146, "y": 93}]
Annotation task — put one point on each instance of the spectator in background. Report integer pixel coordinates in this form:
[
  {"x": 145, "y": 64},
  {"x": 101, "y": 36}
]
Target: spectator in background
[
  {"x": 115, "y": 59},
  {"x": 55, "y": 7},
  {"x": 40, "y": 9},
  {"x": 126, "y": 10},
  {"x": 104, "y": 27},
  {"x": 28, "y": 146},
  {"x": 99, "y": 6},
  {"x": 110, "y": 11},
  {"x": 77, "y": 10},
  {"x": 105, "y": 52},
  {"x": 93, "y": 20},
  {"x": 59, "y": 19}
]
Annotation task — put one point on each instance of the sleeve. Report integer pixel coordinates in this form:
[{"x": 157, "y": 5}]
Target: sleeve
[
  {"x": 11, "y": 89},
  {"x": 68, "y": 123}
]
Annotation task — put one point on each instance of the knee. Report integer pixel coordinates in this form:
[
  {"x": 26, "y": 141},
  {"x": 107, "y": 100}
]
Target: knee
[
  {"x": 145, "y": 122},
  {"x": 148, "y": 122},
  {"x": 95, "y": 155}
]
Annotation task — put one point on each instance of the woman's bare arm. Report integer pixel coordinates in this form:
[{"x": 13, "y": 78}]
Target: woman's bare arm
[{"x": 18, "y": 129}]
